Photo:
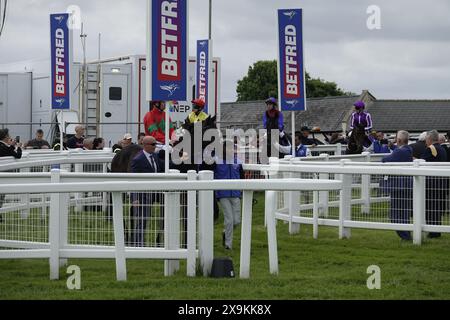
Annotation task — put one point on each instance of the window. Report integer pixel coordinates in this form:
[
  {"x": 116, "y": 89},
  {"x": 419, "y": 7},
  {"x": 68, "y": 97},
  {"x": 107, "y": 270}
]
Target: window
[{"x": 115, "y": 93}]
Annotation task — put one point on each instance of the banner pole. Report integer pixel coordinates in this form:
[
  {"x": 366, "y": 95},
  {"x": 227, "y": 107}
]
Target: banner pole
[
  {"x": 293, "y": 133},
  {"x": 167, "y": 133},
  {"x": 61, "y": 141}
]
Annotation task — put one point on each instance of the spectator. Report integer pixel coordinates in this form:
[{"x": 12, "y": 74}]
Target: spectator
[
  {"x": 305, "y": 139},
  {"x": 445, "y": 145},
  {"x": 141, "y": 139},
  {"x": 229, "y": 168},
  {"x": 300, "y": 149},
  {"x": 8, "y": 148},
  {"x": 337, "y": 138},
  {"x": 88, "y": 144},
  {"x": 127, "y": 140},
  {"x": 381, "y": 144},
  {"x": 146, "y": 161},
  {"x": 400, "y": 188},
  {"x": 420, "y": 146},
  {"x": 76, "y": 142},
  {"x": 98, "y": 144},
  {"x": 38, "y": 142},
  {"x": 436, "y": 187}
]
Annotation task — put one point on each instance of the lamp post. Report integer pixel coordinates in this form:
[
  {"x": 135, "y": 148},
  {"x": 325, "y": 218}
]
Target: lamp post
[{"x": 210, "y": 20}]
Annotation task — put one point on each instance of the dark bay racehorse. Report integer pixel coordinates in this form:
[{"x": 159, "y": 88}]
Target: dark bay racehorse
[{"x": 358, "y": 140}]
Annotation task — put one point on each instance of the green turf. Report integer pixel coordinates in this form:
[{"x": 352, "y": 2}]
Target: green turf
[{"x": 327, "y": 268}]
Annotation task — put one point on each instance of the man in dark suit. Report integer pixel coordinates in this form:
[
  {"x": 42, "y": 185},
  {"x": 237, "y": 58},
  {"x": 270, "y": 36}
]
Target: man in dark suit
[
  {"x": 436, "y": 187},
  {"x": 146, "y": 161},
  {"x": 420, "y": 146},
  {"x": 400, "y": 188},
  {"x": 8, "y": 148}
]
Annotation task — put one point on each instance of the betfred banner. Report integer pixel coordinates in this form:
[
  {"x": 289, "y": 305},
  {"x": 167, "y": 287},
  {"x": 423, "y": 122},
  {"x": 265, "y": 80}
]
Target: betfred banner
[
  {"x": 167, "y": 50},
  {"x": 60, "y": 60},
  {"x": 291, "y": 71},
  {"x": 203, "y": 71}
]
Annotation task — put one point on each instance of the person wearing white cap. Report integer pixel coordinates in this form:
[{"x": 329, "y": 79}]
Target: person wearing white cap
[{"x": 127, "y": 140}]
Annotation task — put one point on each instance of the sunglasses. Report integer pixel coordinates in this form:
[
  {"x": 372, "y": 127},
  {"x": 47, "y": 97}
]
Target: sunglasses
[{"x": 150, "y": 144}]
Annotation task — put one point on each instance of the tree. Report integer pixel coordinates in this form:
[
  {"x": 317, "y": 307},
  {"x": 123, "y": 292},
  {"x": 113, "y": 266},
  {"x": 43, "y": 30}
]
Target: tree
[{"x": 261, "y": 82}]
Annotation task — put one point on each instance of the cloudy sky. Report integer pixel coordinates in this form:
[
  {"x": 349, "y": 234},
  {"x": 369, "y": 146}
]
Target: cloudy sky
[{"x": 408, "y": 58}]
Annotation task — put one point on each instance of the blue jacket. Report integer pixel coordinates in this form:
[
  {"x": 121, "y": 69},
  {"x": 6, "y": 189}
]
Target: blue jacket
[
  {"x": 403, "y": 154},
  {"x": 228, "y": 172},
  {"x": 380, "y": 148},
  {"x": 301, "y": 151},
  {"x": 397, "y": 185}
]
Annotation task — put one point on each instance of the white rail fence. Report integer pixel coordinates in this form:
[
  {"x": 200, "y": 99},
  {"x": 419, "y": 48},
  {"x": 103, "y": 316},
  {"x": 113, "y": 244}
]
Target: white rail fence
[
  {"x": 393, "y": 196},
  {"x": 41, "y": 220}
]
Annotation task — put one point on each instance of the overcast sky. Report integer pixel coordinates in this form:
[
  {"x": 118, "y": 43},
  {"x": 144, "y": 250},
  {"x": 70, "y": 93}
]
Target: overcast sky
[{"x": 408, "y": 58}]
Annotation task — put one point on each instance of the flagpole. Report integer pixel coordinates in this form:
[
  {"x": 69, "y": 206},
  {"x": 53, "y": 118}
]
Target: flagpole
[
  {"x": 61, "y": 141},
  {"x": 293, "y": 133},
  {"x": 167, "y": 133}
]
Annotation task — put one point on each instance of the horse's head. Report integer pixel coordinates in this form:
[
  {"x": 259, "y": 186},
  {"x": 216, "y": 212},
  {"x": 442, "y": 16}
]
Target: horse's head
[{"x": 122, "y": 160}]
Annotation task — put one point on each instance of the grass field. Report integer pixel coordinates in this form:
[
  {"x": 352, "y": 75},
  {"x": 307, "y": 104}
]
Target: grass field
[{"x": 326, "y": 268}]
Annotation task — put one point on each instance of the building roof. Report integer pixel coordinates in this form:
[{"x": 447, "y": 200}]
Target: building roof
[
  {"x": 410, "y": 115},
  {"x": 330, "y": 113},
  {"x": 326, "y": 113}
]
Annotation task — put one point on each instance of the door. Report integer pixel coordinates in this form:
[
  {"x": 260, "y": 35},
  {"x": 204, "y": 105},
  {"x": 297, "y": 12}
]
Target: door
[{"x": 115, "y": 104}]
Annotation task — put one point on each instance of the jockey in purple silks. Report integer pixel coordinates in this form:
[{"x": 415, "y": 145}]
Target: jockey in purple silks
[{"x": 360, "y": 118}]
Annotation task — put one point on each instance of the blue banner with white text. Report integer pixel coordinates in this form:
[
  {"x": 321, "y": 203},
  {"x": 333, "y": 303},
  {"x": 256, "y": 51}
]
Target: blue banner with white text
[
  {"x": 167, "y": 55},
  {"x": 291, "y": 91},
  {"x": 60, "y": 61},
  {"x": 203, "y": 70}
]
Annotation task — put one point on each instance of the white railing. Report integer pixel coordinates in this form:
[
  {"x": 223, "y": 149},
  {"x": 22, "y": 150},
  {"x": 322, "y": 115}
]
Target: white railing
[
  {"x": 360, "y": 196},
  {"x": 60, "y": 184}
]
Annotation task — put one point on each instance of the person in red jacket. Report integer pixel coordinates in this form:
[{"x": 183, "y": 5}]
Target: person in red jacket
[{"x": 155, "y": 122}]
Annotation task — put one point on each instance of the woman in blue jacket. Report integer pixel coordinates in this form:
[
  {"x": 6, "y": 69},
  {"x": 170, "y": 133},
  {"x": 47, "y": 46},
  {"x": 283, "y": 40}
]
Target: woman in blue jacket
[{"x": 229, "y": 167}]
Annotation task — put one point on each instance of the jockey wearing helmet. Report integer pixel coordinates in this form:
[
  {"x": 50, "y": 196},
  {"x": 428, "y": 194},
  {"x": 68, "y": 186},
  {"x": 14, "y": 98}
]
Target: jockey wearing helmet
[
  {"x": 273, "y": 118},
  {"x": 155, "y": 122},
  {"x": 361, "y": 118},
  {"x": 197, "y": 113}
]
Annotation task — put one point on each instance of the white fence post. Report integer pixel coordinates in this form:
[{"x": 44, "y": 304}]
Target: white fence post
[
  {"x": 365, "y": 187},
  {"x": 315, "y": 214},
  {"x": 191, "y": 227},
  {"x": 293, "y": 201},
  {"x": 338, "y": 149},
  {"x": 206, "y": 225},
  {"x": 171, "y": 229},
  {"x": 64, "y": 199},
  {"x": 119, "y": 237},
  {"x": 324, "y": 195},
  {"x": 54, "y": 228},
  {"x": 270, "y": 175},
  {"x": 345, "y": 206},
  {"x": 271, "y": 207},
  {"x": 246, "y": 233},
  {"x": 25, "y": 198},
  {"x": 418, "y": 206},
  {"x": 78, "y": 196},
  {"x": 105, "y": 194}
]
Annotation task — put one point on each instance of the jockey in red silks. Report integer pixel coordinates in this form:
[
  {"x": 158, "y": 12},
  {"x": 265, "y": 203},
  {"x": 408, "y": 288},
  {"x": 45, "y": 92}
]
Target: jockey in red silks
[{"x": 361, "y": 118}]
